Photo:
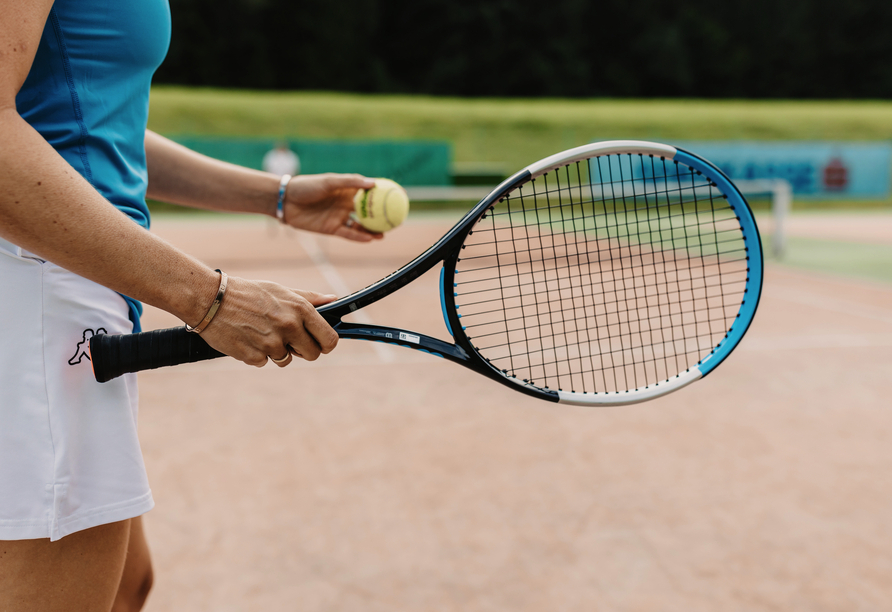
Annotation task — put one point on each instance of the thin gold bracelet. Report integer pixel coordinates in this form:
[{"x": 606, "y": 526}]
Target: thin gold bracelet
[{"x": 214, "y": 307}]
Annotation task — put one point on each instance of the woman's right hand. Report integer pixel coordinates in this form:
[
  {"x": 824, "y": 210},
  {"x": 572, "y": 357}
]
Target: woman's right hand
[{"x": 261, "y": 319}]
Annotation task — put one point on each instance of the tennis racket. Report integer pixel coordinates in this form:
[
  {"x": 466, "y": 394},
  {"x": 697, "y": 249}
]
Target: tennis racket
[{"x": 611, "y": 273}]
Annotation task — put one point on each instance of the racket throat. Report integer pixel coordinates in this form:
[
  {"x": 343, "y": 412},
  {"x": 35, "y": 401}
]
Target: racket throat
[{"x": 401, "y": 337}]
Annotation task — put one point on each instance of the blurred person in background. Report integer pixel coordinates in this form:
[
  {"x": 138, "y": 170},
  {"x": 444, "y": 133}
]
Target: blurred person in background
[{"x": 281, "y": 160}]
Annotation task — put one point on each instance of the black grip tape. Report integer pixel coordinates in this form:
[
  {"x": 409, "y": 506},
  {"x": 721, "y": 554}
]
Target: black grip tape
[{"x": 115, "y": 354}]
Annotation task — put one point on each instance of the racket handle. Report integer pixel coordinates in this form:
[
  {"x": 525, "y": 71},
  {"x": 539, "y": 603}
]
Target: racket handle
[{"x": 115, "y": 354}]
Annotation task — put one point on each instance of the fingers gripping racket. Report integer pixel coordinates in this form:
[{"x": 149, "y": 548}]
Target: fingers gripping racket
[{"x": 611, "y": 273}]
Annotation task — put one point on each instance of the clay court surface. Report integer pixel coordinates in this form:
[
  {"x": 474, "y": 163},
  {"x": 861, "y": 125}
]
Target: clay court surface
[{"x": 383, "y": 479}]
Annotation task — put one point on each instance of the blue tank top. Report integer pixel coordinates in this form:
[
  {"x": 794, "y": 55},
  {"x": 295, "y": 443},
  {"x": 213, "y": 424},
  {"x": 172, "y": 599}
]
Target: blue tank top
[{"x": 87, "y": 94}]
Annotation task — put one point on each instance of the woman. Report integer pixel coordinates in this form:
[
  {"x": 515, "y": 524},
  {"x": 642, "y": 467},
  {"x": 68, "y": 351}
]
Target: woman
[{"x": 76, "y": 164}]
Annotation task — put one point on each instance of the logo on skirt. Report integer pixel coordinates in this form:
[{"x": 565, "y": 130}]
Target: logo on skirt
[{"x": 83, "y": 347}]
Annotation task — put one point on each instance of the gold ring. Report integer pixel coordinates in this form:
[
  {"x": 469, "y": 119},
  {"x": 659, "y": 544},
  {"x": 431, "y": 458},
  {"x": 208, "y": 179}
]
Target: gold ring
[{"x": 283, "y": 359}]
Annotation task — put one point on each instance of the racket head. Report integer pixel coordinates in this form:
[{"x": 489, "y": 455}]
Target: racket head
[{"x": 612, "y": 273}]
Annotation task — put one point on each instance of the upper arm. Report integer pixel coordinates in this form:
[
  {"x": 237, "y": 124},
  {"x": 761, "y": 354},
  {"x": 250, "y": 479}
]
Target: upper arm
[{"x": 21, "y": 25}]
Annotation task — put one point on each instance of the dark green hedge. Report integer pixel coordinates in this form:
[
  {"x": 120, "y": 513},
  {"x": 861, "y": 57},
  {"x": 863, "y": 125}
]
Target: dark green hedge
[{"x": 690, "y": 48}]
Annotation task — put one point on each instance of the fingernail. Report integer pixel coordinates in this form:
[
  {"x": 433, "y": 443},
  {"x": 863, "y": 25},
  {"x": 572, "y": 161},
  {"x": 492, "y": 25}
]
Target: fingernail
[{"x": 329, "y": 295}]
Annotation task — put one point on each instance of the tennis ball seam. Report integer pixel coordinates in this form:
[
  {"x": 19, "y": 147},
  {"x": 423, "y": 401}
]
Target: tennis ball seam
[{"x": 386, "y": 216}]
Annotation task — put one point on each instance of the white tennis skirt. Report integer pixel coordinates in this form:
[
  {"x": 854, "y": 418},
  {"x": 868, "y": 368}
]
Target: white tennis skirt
[{"x": 69, "y": 452}]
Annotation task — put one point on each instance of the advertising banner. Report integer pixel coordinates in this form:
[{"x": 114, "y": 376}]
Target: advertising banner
[{"x": 814, "y": 169}]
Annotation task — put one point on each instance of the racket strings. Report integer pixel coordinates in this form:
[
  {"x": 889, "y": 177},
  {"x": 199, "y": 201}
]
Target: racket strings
[
  {"x": 559, "y": 269},
  {"x": 595, "y": 209},
  {"x": 606, "y": 303},
  {"x": 732, "y": 240},
  {"x": 738, "y": 247},
  {"x": 608, "y": 274},
  {"x": 718, "y": 290},
  {"x": 658, "y": 317}
]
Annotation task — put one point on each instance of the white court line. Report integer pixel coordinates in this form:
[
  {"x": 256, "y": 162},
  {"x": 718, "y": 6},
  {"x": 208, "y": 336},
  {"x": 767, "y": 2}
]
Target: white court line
[
  {"x": 837, "y": 305},
  {"x": 801, "y": 342},
  {"x": 334, "y": 280}
]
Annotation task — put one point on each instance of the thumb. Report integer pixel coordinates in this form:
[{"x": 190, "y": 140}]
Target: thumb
[
  {"x": 352, "y": 181},
  {"x": 315, "y": 298}
]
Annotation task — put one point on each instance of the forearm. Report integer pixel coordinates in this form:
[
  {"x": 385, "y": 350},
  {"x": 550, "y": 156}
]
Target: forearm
[
  {"x": 181, "y": 176},
  {"x": 47, "y": 208}
]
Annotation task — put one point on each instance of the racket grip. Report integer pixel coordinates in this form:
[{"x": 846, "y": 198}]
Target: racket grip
[{"x": 115, "y": 354}]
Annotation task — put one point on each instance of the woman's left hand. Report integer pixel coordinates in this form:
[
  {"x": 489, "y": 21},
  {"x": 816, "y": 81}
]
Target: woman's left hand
[{"x": 323, "y": 202}]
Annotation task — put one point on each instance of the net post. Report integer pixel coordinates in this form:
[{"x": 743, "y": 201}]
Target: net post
[
  {"x": 781, "y": 193},
  {"x": 781, "y": 200}
]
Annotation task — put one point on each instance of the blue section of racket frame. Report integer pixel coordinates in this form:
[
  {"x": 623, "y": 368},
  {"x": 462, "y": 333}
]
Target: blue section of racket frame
[
  {"x": 443, "y": 300},
  {"x": 753, "y": 245}
]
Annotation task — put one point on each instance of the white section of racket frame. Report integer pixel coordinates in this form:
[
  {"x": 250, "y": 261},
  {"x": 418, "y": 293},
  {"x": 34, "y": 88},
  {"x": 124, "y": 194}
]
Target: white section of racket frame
[
  {"x": 635, "y": 396},
  {"x": 780, "y": 191}
]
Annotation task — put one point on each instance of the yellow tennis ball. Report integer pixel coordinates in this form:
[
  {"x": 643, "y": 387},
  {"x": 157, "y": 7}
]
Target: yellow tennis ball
[{"x": 383, "y": 207}]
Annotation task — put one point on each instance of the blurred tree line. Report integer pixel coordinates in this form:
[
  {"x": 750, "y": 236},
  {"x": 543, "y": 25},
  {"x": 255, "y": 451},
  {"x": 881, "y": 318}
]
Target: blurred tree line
[{"x": 690, "y": 48}]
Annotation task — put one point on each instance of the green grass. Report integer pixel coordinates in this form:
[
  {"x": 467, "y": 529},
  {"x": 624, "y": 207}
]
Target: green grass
[
  {"x": 855, "y": 260},
  {"x": 513, "y": 132}
]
